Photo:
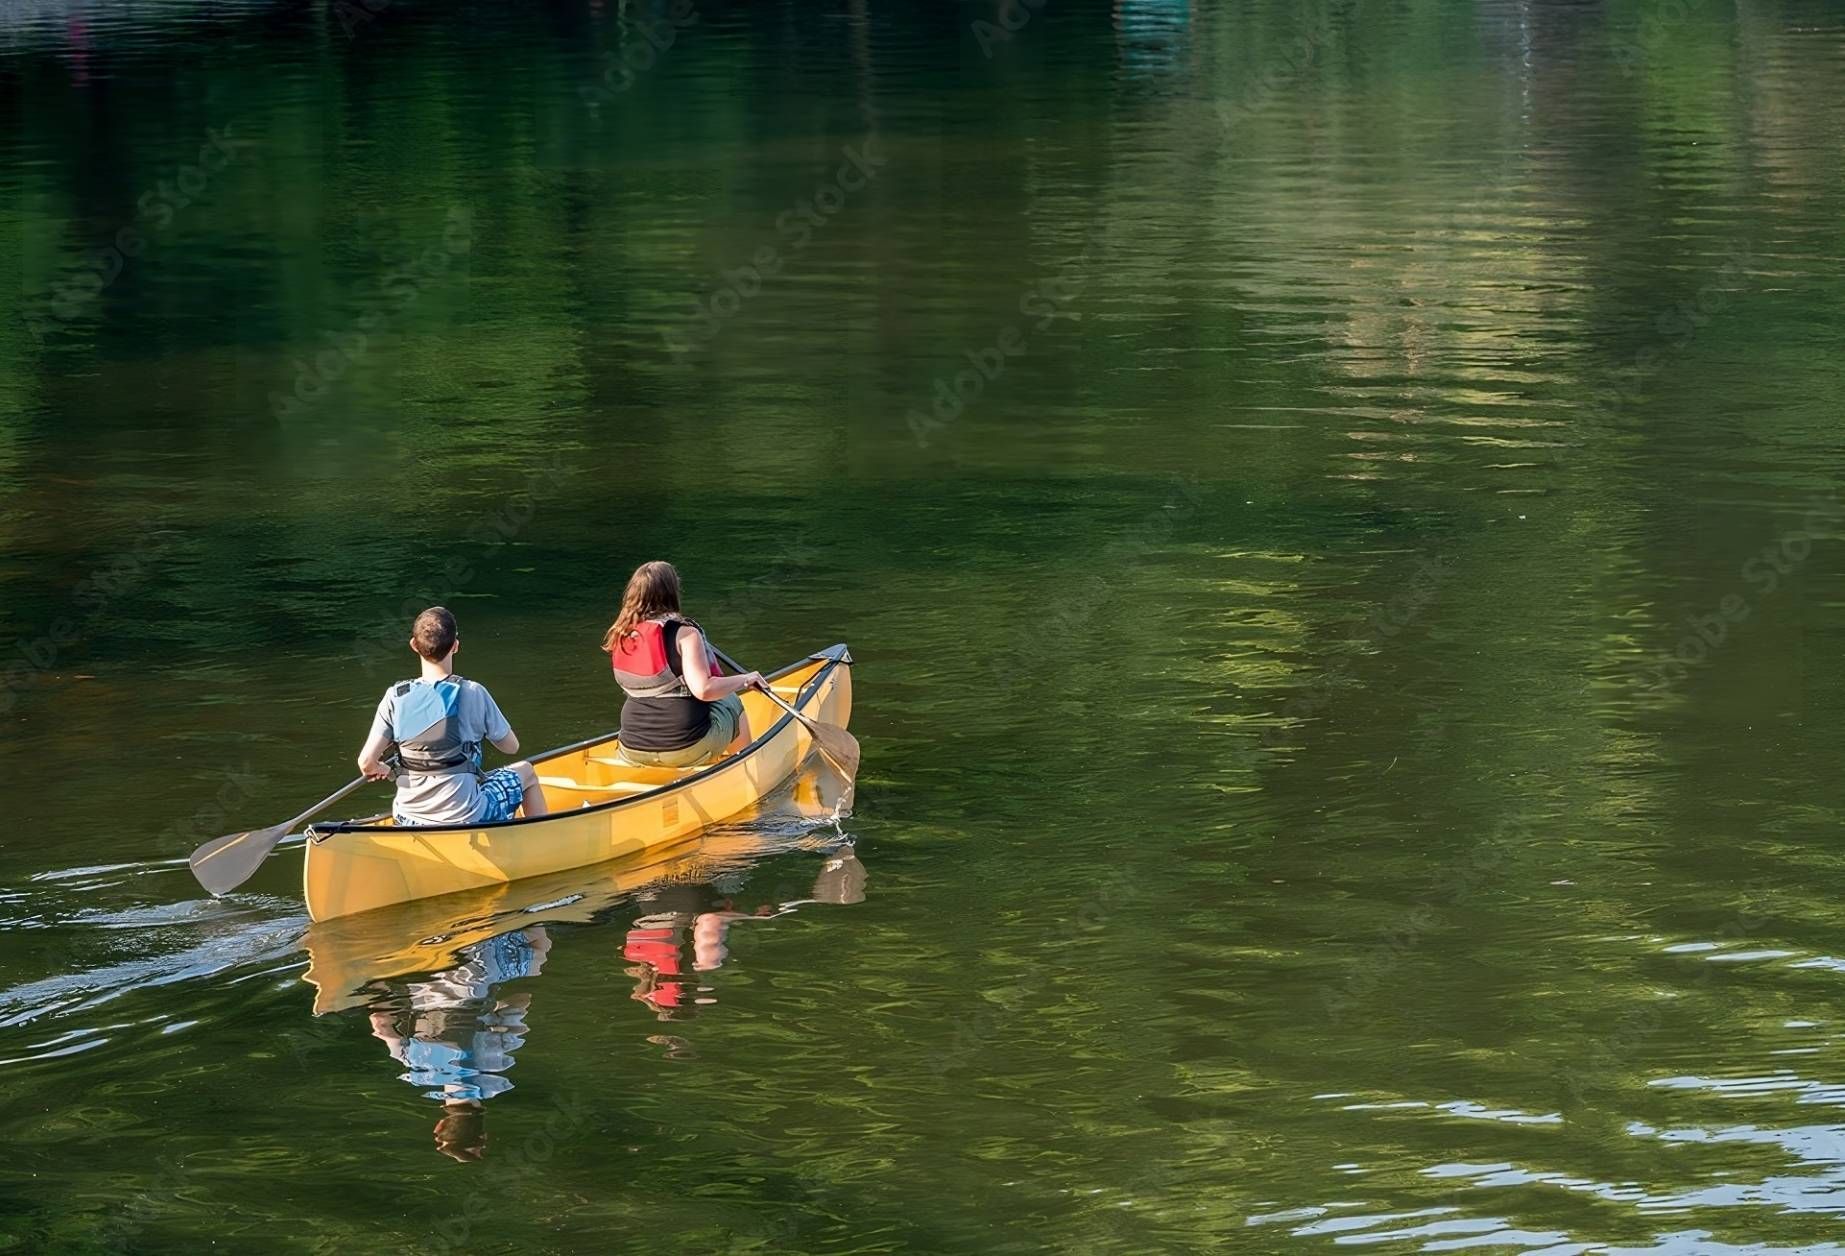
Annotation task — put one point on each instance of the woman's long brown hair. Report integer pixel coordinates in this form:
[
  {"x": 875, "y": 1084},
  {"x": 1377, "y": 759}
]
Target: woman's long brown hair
[{"x": 653, "y": 590}]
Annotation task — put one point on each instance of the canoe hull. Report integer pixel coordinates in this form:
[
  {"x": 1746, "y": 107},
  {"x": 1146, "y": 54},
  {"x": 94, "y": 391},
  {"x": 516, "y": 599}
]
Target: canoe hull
[
  {"x": 356, "y": 870},
  {"x": 349, "y": 957}
]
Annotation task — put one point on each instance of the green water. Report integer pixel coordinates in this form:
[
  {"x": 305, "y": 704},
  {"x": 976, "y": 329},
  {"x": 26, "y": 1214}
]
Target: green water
[{"x": 1284, "y": 822}]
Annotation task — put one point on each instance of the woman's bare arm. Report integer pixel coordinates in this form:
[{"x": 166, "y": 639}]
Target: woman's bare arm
[{"x": 697, "y": 670}]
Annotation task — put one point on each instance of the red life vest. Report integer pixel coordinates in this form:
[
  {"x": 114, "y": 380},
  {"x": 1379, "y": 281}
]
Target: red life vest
[{"x": 644, "y": 668}]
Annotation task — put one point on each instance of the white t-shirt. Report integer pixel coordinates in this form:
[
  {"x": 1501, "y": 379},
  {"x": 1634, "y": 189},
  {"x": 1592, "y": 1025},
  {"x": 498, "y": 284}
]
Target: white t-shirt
[{"x": 443, "y": 797}]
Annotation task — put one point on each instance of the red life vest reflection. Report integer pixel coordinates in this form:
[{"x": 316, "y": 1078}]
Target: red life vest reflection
[
  {"x": 653, "y": 945},
  {"x": 667, "y": 947}
]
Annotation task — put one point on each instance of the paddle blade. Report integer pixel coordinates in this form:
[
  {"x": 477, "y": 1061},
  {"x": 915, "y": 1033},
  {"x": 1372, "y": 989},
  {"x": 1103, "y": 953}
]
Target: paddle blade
[
  {"x": 839, "y": 747},
  {"x": 224, "y": 863}
]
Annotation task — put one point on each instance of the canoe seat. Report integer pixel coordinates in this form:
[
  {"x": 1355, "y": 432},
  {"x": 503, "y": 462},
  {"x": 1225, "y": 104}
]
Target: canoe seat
[
  {"x": 619, "y": 787},
  {"x": 659, "y": 776}
]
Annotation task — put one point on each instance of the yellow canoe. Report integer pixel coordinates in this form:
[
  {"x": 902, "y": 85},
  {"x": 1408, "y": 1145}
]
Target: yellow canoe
[{"x": 601, "y": 808}]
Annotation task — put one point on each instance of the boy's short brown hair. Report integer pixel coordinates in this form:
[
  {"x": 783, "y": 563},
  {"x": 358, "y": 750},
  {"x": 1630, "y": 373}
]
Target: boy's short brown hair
[{"x": 433, "y": 634}]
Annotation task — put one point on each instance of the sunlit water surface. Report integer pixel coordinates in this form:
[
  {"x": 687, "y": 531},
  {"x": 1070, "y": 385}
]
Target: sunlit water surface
[{"x": 1334, "y": 506}]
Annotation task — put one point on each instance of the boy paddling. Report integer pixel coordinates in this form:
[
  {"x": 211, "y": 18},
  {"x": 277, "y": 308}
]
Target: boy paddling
[{"x": 437, "y": 723}]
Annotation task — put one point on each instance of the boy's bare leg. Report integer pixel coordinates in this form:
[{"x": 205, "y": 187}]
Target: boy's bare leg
[{"x": 534, "y": 804}]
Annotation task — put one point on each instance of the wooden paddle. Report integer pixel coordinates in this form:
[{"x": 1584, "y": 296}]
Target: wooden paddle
[
  {"x": 839, "y": 746},
  {"x": 224, "y": 863}
]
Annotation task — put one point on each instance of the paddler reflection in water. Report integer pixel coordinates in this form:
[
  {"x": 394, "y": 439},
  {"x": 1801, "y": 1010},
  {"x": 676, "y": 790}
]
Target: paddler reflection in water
[
  {"x": 455, "y": 1036},
  {"x": 701, "y": 916}
]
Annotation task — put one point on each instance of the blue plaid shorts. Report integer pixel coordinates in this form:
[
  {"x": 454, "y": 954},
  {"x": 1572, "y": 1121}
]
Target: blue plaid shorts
[{"x": 501, "y": 792}]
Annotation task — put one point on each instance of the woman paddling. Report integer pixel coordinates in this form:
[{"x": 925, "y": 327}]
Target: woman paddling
[{"x": 681, "y": 710}]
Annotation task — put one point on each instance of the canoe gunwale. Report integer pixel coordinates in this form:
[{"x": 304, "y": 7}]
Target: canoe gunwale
[{"x": 834, "y": 656}]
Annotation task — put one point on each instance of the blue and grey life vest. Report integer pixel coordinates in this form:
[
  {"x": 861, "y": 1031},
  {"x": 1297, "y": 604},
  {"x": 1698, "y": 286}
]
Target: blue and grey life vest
[{"x": 437, "y": 749}]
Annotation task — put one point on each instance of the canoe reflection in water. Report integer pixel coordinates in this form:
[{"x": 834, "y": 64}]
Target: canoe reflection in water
[
  {"x": 457, "y": 1037},
  {"x": 444, "y": 980}
]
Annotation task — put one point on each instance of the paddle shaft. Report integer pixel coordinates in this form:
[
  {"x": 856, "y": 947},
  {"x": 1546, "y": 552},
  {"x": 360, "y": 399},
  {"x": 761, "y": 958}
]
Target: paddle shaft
[
  {"x": 834, "y": 742},
  {"x": 767, "y": 692},
  {"x": 785, "y": 705},
  {"x": 328, "y": 801}
]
